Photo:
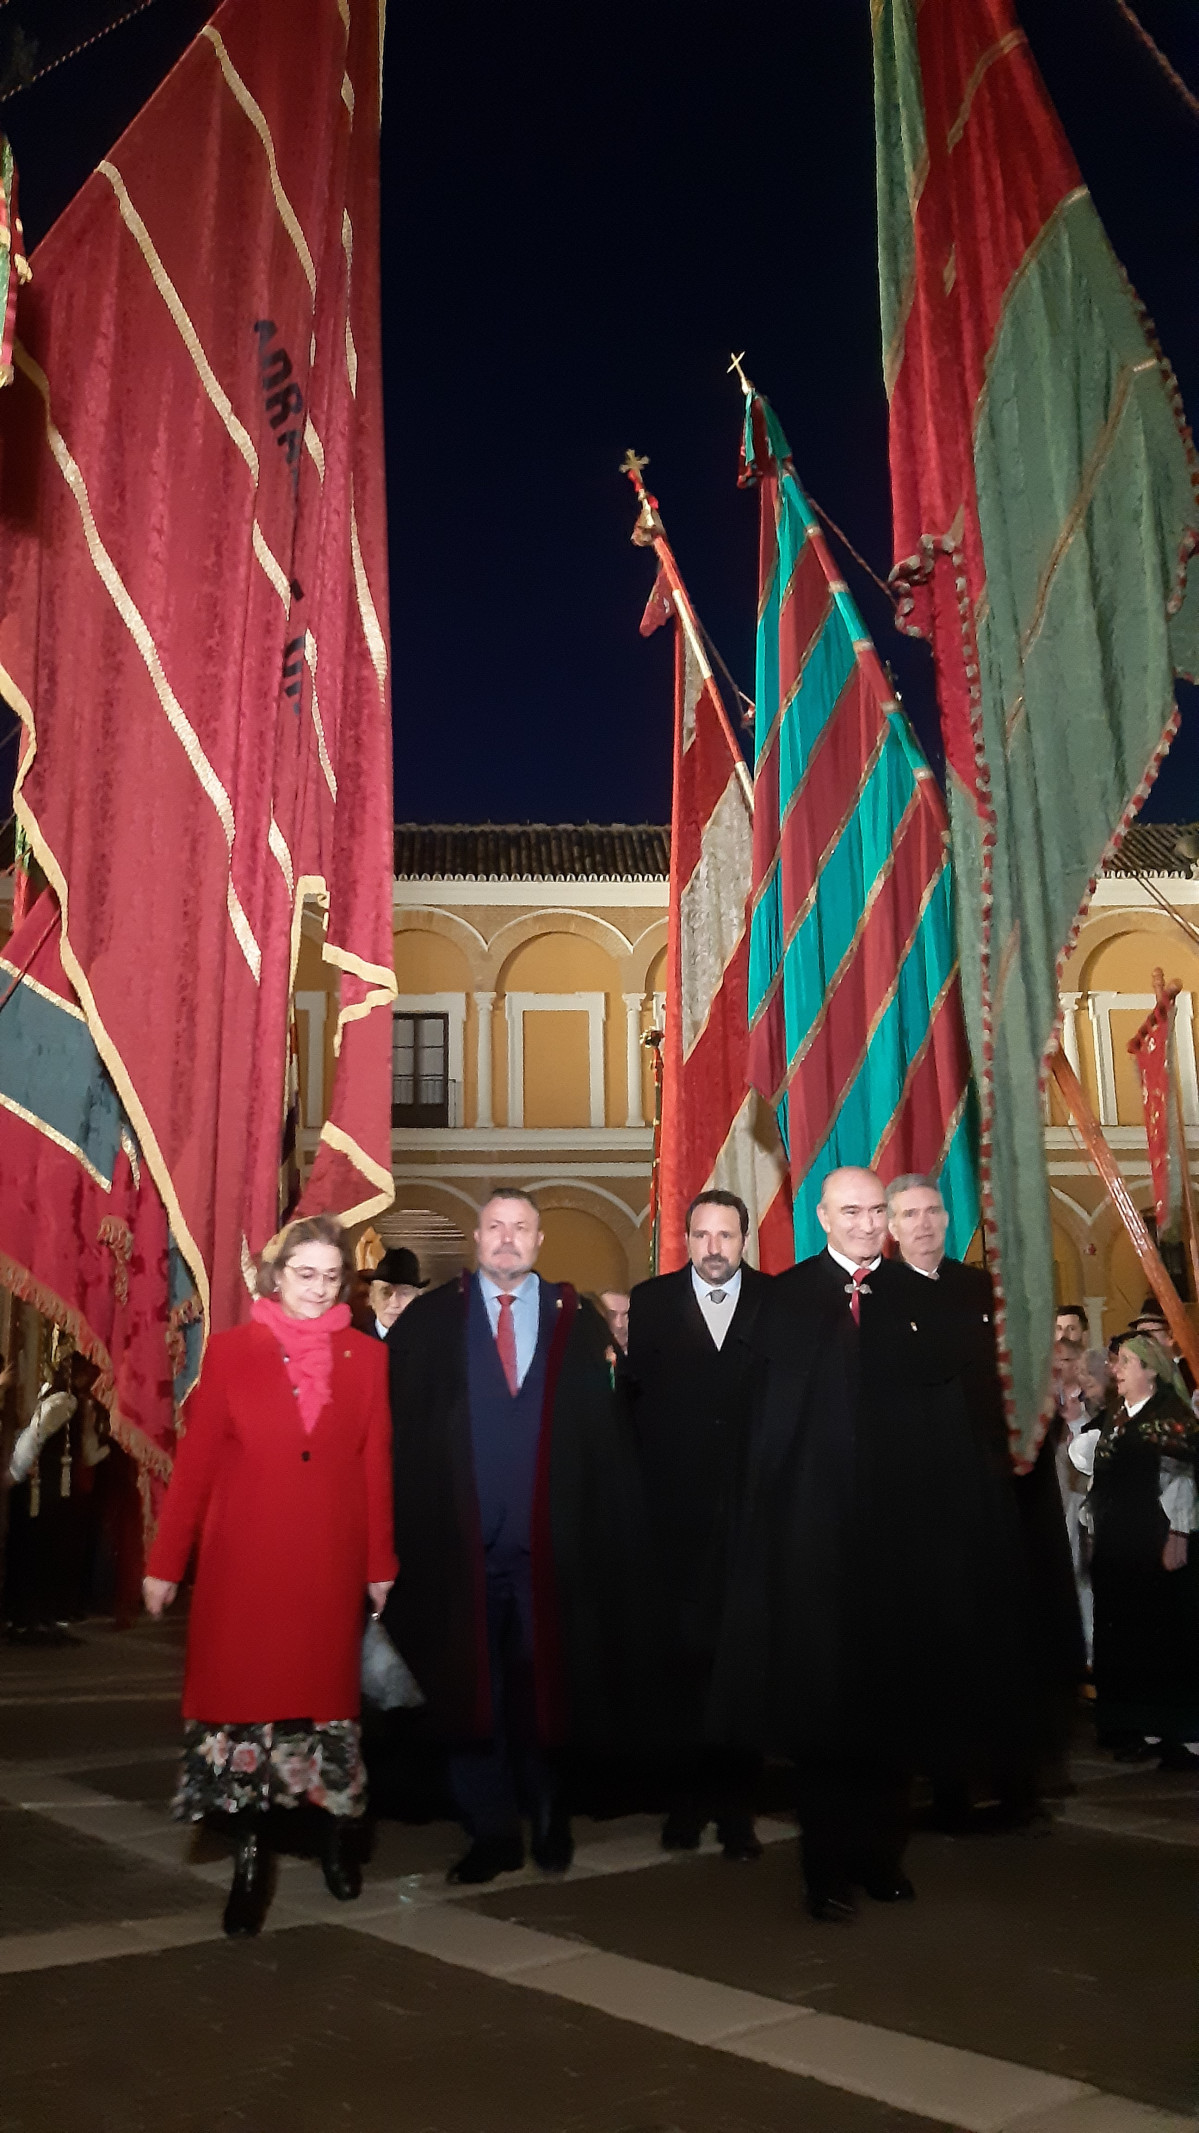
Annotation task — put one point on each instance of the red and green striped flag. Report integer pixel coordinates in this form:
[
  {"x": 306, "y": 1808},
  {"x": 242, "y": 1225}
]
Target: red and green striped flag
[
  {"x": 855, "y": 1008},
  {"x": 1044, "y": 515}
]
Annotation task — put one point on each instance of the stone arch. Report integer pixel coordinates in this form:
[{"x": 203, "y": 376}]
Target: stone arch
[
  {"x": 517, "y": 931},
  {"x": 465, "y": 937},
  {"x": 611, "y": 1214},
  {"x": 644, "y": 953},
  {"x": 1099, "y": 932}
]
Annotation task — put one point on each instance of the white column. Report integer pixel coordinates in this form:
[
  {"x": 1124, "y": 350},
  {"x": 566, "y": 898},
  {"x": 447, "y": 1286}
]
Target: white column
[
  {"x": 1093, "y": 1306},
  {"x": 1099, "y": 1007},
  {"x": 484, "y": 1002},
  {"x": 1184, "y": 1030},
  {"x": 632, "y": 1004},
  {"x": 1070, "y": 1002}
]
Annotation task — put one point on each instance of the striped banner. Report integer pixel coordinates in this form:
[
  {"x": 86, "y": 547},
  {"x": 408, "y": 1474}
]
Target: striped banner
[
  {"x": 715, "y": 1129},
  {"x": 855, "y": 1011}
]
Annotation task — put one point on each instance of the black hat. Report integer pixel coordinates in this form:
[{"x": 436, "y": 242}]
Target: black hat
[{"x": 399, "y": 1268}]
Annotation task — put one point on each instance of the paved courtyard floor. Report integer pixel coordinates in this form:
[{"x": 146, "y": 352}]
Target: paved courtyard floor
[{"x": 1040, "y": 1984}]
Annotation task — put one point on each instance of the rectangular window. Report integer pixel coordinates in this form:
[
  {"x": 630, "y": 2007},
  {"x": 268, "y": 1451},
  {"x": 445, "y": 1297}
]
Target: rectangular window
[{"x": 420, "y": 1088}]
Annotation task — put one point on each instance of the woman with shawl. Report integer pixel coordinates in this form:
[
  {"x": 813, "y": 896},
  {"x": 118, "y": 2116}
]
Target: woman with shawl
[
  {"x": 1143, "y": 1508},
  {"x": 282, "y": 1484}
]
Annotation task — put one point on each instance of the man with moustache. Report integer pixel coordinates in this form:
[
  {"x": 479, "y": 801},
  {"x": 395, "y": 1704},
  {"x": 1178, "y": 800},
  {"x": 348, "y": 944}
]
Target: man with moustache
[
  {"x": 877, "y": 1638},
  {"x": 689, "y": 1376},
  {"x": 520, "y": 1603}
]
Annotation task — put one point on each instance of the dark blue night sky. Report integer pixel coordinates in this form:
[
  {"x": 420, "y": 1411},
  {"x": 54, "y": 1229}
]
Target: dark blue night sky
[{"x": 583, "y": 210}]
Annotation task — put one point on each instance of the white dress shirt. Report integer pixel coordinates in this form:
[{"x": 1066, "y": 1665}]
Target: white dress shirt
[
  {"x": 526, "y": 1317},
  {"x": 717, "y": 1302}
]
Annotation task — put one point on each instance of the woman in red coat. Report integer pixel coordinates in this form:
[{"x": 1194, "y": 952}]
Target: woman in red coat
[{"x": 282, "y": 1483}]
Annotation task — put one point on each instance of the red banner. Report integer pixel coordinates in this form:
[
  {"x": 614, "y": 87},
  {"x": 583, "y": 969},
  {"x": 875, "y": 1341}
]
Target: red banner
[
  {"x": 1153, "y": 1050},
  {"x": 193, "y": 611}
]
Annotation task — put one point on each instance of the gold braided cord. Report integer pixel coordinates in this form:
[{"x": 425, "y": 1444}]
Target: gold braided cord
[{"x": 1155, "y": 52}]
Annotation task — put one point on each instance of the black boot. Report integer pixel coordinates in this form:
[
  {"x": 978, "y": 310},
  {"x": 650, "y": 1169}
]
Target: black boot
[
  {"x": 340, "y": 1863},
  {"x": 251, "y": 1891}
]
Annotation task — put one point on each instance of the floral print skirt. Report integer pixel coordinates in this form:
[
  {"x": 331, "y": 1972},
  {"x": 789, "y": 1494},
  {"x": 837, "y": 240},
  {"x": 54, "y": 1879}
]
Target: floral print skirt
[{"x": 229, "y": 1769}]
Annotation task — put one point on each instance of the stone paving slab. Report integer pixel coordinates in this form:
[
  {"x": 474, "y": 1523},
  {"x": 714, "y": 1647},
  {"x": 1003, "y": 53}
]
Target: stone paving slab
[
  {"x": 51, "y": 1877},
  {"x": 317, "y": 2028},
  {"x": 1068, "y": 1953}
]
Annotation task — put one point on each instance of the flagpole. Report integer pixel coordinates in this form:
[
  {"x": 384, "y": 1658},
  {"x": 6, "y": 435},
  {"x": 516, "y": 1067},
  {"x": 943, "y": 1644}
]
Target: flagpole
[
  {"x": 1173, "y": 1309},
  {"x": 650, "y": 533}
]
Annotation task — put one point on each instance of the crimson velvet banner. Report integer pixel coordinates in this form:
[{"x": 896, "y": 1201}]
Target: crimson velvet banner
[
  {"x": 83, "y": 1230},
  {"x": 193, "y": 612}
]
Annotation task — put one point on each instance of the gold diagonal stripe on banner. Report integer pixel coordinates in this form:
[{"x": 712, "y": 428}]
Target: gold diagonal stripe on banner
[
  {"x": 375, "y": 641},
  {"x": 135, "y": 622},
  {"x": 278, "y": 845},
  {"x": 347, "y": 245},
  {"x": 204, "y": 370},
  {"x": 287, "y": 213},
  {"x": 68, "y": 1007},
  {"x": 322, "y": 751},
  {"x": 257, "y": 118},
  {"x": 9, "y": 1103}
]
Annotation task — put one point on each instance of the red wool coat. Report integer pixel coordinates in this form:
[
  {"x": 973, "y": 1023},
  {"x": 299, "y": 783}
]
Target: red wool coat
[{"x": 291, "y": 1529}]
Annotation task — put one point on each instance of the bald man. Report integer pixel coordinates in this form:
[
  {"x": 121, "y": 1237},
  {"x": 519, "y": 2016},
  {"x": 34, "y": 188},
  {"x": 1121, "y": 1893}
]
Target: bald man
[{"x": 860, "y": 1575}]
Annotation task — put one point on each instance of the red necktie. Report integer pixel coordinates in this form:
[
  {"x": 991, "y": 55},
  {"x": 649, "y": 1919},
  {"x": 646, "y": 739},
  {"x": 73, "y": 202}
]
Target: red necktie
[
  {"x": 505, "y": 1341},
  {"x": 860, "y": 1275}
]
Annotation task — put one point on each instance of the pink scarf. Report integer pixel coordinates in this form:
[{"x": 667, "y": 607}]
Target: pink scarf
[{"x": 307, "y": 1345}]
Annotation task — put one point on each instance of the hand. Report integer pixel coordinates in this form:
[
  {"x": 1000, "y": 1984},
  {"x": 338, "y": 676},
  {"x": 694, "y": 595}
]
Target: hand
[
  {"x": 1174, "y": 1554},
  {"x": 157, "y": 1594},
  {"x": 378, "y": 1592}
]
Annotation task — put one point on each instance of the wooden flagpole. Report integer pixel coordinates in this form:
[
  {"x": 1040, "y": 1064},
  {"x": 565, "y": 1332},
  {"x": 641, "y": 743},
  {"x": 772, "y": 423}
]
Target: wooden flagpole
[
  {"x": 1173, "y": 1311},
  {"x": 1188, "y": 1197}
]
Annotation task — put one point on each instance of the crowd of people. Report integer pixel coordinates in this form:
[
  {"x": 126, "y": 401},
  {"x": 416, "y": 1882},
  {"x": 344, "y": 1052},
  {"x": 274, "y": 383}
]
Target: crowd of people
[
  {"x": 73, "y": 1528},
  {"x": 728, "y": 1526}
]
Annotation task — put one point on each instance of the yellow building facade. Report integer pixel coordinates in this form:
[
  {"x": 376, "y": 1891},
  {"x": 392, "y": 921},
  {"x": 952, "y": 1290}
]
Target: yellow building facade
[{"x": 530, "y": 963}]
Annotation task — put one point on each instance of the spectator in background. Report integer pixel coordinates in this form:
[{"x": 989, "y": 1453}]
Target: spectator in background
[
  {"x": 614, "y": 1304},
  {"x": 1074, "y": 1415},
  {"x": 1070, "y": 1323},
  {"x": 1143, "y": 1509},
  {"x": 394, "y": 1283}
]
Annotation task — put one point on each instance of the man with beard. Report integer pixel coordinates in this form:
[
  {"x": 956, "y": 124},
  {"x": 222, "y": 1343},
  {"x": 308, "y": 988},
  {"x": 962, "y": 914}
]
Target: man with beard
[
  {"x": 519, "y": 1604},
  {"x": 963, "y": 1296},
  {"x": 689, "y": 1374},
  {"x": 878, "y": 1616}
]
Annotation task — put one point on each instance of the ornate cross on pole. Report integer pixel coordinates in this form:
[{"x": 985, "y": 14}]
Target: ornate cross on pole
[{"x": 746, "y": 383}]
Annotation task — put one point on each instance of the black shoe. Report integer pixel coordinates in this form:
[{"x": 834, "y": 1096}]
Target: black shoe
[
  {"x": 738, "y": 1839},
  {"x": 681, "y": 1832},
  {"x": 889, "y": 1888},
  {"x": 487, "y": 1857},
  {"x": 1175, "y": 1756},
  {"x": 833, "y": 1907},
  {"x": 553, "y": 1846},
  {"x": 251, "y": 1891},
  {"x": 340, "y": 1863}
]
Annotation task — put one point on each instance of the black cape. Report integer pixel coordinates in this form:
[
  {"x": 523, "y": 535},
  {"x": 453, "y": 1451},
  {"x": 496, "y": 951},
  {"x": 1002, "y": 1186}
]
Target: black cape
[
  {"x": 1057, "y": 1651},
  {"x": 691, "y": 1404},
  {"x": 879, "y": 1600},
  {"x": 595, "y": 1676}
]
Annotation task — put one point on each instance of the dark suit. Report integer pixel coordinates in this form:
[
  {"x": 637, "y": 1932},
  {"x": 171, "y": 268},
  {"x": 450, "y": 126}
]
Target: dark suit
[
  {"x": 691, "y": 1403},
  {"x": 882, "y": 1619}
]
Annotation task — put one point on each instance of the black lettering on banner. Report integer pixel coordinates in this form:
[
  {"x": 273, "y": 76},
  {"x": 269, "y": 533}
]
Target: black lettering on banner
[{"x": 282, "y": 397}]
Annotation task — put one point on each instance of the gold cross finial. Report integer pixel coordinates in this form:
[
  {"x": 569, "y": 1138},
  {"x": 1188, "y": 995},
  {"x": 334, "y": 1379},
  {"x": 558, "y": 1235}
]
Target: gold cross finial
[
  {"x": 735, "y": 365},
  {"x": 632, "y": 465}
]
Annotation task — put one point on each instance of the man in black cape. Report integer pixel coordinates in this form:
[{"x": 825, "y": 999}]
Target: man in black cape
[
  {"x": 520, "y": 1603},
  {"x": 918, "y": 1221},
  {"x": 689, "y": 1376},
  {"x": 877, "y": 1618}
]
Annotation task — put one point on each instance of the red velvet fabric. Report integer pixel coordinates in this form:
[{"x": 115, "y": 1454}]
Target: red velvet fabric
[
  {"x": 290, "y": 1529},
  {"x": 193, "y": 609},
  {"x": 90, "y": 1257}
]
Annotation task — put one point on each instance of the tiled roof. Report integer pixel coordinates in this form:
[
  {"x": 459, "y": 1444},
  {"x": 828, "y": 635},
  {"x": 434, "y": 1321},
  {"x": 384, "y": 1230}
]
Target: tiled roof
[
  {"x": 1151, "y": 848},
  {"x": 532, "y": 851}
]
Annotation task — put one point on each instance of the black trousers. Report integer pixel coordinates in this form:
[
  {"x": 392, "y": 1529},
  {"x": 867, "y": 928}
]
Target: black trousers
[
  {"x": 493, "y": 1783},
  {"x": 854, "y": 1819},
  {"x": 708, "y": 1784}
]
